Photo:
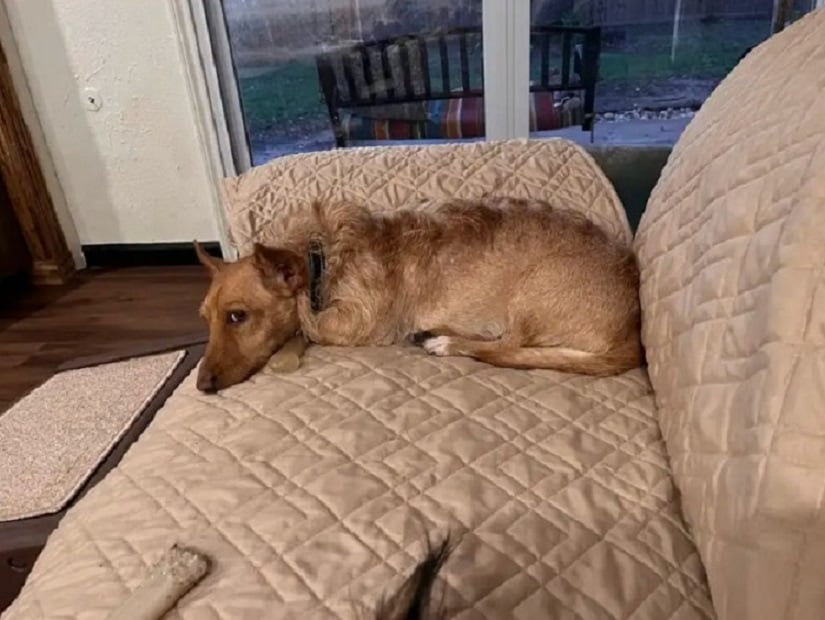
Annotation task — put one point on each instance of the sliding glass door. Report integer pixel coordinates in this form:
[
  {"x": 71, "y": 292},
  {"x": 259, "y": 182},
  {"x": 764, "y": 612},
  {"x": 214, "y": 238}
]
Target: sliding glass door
[{"x": 304, "y": 75}]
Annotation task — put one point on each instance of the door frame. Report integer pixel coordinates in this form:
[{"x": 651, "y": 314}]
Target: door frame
[
  {"x": 506, "y": 34},
  {"x": 222, "y": 90},
  {"x": 32, "y": 185},
  {"x": 202, "y": 80}
]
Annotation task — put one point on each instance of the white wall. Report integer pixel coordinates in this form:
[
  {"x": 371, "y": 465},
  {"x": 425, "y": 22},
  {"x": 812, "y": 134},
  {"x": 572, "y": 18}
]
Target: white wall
[{"x": 135, "y": 170}]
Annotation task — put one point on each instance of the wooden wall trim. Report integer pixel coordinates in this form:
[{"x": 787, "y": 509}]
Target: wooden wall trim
[{"x": 27, "y": 189}]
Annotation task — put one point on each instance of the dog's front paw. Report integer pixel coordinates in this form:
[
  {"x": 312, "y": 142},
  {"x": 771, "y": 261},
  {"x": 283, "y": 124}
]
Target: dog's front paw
[{"x": 440, "y": 345}]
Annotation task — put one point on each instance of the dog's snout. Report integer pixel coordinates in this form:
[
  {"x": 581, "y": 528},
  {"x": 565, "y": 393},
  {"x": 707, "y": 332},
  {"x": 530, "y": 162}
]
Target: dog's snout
[{"x": 207, "y": 381}]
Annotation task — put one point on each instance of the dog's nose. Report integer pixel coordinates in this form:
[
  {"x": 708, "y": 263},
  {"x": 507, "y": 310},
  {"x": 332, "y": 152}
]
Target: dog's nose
[{"x": 207, "y": 382}]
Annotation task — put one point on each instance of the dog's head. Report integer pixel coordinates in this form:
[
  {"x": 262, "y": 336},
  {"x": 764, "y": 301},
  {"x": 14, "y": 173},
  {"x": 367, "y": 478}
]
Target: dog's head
[{"x": 251, "y": 311}]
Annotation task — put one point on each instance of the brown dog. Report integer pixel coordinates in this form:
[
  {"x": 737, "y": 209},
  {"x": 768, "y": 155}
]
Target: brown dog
[{"x": 514, "y": 283}]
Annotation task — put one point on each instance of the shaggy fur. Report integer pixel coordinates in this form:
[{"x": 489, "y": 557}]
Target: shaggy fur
[{"x": 510, "y": 282}]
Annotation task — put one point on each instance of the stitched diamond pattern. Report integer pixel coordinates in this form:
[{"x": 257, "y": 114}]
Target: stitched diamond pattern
[{"x": 313, "y": 493}]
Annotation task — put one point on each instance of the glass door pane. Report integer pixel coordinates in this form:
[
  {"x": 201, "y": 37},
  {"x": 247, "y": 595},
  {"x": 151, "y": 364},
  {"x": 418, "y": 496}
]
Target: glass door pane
[
  {"x": 635, "y": 71},
  {"x": 316, "y": 74}
]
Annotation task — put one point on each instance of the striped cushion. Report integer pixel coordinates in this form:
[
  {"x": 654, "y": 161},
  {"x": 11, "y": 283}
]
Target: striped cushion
[{"x": 457, "y": 118}]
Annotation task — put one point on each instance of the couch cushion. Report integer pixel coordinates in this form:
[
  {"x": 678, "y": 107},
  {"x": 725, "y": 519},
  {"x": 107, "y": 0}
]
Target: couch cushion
[
  {"x": 732, "y": 251},
  {"x": 262, "y": 202},
  {"x": 313, "y": 494}
]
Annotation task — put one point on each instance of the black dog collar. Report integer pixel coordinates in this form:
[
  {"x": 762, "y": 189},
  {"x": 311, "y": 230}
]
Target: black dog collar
[{"x": 317, "y": 263}]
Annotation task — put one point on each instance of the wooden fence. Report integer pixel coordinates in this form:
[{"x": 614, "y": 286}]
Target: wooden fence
[
  {"x": 610, "y": 13},
  {"x": 267, "y": 31}
]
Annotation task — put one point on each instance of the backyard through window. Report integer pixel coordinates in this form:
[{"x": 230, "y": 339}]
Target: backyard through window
[
  {"x": 659, "y": 60},
  {"x": 316, "y": 74}
]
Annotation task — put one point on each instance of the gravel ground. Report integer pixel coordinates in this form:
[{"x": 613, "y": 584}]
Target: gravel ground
[{"x": 647, "y": 115}]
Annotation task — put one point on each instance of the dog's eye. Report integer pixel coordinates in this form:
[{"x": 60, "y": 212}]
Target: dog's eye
[{"x": 233, "y": 317}]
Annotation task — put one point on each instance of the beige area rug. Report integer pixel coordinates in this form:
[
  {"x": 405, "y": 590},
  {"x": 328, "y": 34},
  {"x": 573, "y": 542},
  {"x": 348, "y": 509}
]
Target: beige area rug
[{"x": 53, "y": 439}]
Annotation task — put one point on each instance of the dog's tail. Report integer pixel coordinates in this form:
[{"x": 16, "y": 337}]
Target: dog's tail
[
  {"x": 413, "y": 600},
  {"x": 620, "y": 359}
]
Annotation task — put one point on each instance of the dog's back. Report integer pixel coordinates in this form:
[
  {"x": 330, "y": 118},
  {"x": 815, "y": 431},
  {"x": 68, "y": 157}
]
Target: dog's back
[{"x": 553, "y": 288}]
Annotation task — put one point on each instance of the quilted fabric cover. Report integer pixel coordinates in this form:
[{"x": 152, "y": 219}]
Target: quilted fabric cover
[
  {"x": 261, "y": 202},
  {"x": 314, "y": 492},
  {"x": 732, "y": 249}
]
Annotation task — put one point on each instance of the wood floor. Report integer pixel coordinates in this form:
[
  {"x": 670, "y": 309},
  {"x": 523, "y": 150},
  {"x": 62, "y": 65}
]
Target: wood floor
[{"x": 100, "y": 312}]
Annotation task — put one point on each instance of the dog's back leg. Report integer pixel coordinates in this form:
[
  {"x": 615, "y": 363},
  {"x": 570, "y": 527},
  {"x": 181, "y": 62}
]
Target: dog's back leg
[
  {"x": 420, "y": 337},
  {"x": 449, "y": 346},
  {"x": 501, "y": 353},
  {"x": 564, "y": 359}
]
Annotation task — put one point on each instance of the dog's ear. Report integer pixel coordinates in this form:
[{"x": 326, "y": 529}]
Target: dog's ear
[
  {"x": 284, "y": 265},
  {"x": 212, "y": 263}
]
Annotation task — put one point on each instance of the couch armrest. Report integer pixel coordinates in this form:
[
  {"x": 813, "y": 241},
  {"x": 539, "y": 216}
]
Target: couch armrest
[{"x": 732, "y": 256}]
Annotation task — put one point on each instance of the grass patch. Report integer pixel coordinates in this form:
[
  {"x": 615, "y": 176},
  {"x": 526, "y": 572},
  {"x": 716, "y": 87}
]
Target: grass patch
[
  {"x": 285, "y": 95},
  {"x": 704, "y": 51}
]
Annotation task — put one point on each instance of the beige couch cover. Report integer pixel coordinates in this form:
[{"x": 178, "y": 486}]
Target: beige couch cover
[
  {"x": 314, "y": 492},
  {"x": 732, "y": 248}
]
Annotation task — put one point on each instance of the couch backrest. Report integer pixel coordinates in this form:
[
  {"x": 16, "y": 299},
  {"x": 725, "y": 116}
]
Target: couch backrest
[
  {"x": 732, "y": 252},
  {"x": 264, "y": 202}
]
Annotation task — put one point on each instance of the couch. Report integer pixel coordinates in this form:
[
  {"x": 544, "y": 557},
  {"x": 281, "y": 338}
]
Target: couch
[{"x": 692, "y": 488}]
